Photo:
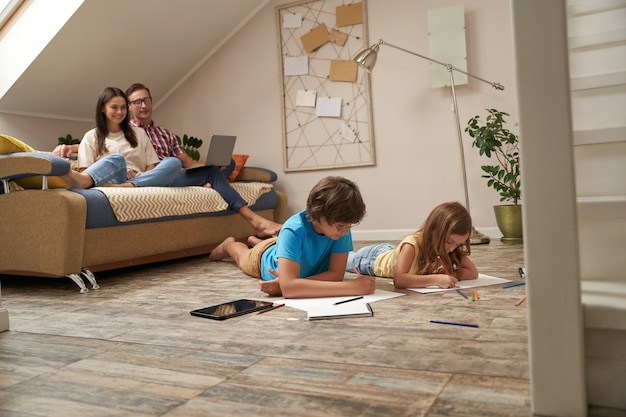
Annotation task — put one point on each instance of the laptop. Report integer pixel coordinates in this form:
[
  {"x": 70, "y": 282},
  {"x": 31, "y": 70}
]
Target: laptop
[{"x": 220, "y": 151}]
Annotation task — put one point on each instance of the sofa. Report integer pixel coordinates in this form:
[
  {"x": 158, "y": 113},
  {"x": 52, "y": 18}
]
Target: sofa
[{"x": 59, "y": 232}]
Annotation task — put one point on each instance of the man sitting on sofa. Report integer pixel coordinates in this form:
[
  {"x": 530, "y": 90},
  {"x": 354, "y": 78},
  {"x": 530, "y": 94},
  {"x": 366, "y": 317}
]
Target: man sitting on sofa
[{"x": 166, "y": 145}]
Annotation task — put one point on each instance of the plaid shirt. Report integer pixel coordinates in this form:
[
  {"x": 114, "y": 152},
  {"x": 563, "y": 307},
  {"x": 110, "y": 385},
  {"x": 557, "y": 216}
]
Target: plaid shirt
[{"x": 163, "y": 141}]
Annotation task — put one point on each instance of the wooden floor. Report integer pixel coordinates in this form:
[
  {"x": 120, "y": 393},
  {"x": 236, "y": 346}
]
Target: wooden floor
[{"x": 131, "y": 348}]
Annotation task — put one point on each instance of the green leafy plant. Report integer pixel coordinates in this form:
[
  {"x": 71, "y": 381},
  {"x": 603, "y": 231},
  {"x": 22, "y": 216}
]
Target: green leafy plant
[
  {"x": 494, "y": 140},
  {"x": 68, "y": 140},
  {"x": 190, "y": 145}
]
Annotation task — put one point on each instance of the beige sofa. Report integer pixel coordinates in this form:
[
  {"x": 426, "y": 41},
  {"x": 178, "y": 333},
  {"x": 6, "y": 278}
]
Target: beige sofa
[{"x": 46, "y": 232}]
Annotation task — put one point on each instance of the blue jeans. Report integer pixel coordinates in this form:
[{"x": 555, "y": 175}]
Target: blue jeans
[
  {"x": 364, "y": 258},
  {"x": 108, "y": 170},
  {"x": 112, "y": 170},
  {"x": 218, "y": 179},
  {"x": 162, "y": 175}
]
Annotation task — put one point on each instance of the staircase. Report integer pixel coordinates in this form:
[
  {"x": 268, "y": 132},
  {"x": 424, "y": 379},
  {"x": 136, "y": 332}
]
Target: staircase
[{"x": 597, "y": 60}]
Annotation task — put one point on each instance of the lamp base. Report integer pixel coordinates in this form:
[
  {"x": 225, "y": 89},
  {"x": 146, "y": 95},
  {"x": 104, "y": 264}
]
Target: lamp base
[{"x": 477, "y": 238}]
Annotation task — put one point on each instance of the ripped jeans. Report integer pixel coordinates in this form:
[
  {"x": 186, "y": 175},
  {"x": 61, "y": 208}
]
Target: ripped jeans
[{"x": 364, "y": 259}]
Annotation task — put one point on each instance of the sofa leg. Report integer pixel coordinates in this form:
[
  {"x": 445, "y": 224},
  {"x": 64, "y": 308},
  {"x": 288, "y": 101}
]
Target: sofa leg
[
  {"x": 79, "y": 281},
  {"x": 91, "y": 277}
]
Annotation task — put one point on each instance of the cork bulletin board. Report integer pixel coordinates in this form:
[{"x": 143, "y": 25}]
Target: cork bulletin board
[{"x": 326, "y": 97}]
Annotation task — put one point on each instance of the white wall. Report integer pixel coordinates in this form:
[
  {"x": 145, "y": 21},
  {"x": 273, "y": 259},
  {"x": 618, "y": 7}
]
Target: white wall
[
  {"x": 417, "y": 158},
  {"x": 418, "y": 166},
  {"x": 39, "y": 132}
]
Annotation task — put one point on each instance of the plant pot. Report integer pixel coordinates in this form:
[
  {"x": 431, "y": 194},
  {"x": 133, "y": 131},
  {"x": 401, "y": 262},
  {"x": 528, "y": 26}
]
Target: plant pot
[{"x": 509, "y": 220}]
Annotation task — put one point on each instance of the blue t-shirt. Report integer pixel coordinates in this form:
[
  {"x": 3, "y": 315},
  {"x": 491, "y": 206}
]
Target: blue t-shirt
[{"x": 298, "y": 242}]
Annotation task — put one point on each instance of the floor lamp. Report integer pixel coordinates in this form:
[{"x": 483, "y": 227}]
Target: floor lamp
[{"x": 366, "y": 59}]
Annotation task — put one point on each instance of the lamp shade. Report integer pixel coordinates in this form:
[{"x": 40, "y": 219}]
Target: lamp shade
[{"x": 367, "y": 57}]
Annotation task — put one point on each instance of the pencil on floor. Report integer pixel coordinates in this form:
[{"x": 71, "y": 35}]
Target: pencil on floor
[
  {"x": 520, "y": 301},
  {"x": 271, "y": 308},
  {"x": 476, "y": 294}
]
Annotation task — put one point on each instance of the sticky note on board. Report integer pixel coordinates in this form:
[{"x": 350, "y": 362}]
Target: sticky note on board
[
  {"x": 292, "y": 20},
  {"x": 343, "y": 70},
  {"x": 347, "y": 133},
  {"x": 337, "y": 37},
  {"x": 306, "y": 98},
  {"x": 296, "y": 65},
  {"x": 317, "y": 37},
  {"x": 351, "y": 14},
  {"x": 328, "y": 107}
]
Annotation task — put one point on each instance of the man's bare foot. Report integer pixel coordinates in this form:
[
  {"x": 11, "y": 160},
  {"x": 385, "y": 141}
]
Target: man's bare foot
[
  {"x": 208, "y": 185},
  {"x": 271, "y": 288},
  {"x": 219, "y": 252},
  {"x": 267, "y": 228},
  {"x": 253, "y": 241}
]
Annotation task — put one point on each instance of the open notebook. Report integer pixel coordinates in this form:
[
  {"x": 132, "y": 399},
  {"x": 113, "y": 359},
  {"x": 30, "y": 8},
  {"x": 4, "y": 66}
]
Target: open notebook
[{"x": 340, "y": 311}]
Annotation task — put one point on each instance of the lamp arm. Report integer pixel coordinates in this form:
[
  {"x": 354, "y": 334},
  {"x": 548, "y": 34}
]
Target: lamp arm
[{"x": 450, "y": 67}]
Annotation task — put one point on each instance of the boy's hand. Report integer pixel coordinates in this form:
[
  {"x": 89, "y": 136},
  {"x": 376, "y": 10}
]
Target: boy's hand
[
  {"x": 365, "y": 284},
  {"x": 271, "y": 288}
]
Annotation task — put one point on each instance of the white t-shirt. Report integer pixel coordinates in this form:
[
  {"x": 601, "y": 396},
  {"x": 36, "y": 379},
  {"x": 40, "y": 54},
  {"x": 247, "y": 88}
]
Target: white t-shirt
[{"x": 137, "y": 158}]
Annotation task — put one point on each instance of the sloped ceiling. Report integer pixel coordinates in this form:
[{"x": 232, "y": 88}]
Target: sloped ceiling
[{"x": 118, "y": 42}]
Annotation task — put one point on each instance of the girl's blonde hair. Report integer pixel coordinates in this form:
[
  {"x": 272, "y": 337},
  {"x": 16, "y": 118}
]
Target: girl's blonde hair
[{"x": 444, "y": 220}]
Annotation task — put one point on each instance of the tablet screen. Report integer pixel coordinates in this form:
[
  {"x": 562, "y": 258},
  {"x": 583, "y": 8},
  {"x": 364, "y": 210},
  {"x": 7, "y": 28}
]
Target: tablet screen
[{"x": 231, "y": 309}]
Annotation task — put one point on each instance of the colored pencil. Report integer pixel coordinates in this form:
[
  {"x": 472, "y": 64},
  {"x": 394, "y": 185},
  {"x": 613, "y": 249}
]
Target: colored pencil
[
  {"x": 452, "y": 323},
  {"x": 461, "y": 292},
  {"x": 520, "y": 301},
  {"x": 443, "y": 265},
  {"x": 516, "y": 284},
  {"x": 271, "y": 308},
  {"x": 347, "y": 301}
]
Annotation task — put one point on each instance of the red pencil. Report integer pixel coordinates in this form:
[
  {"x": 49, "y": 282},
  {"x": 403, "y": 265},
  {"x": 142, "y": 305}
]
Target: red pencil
[{"x": 443, "y": 266}]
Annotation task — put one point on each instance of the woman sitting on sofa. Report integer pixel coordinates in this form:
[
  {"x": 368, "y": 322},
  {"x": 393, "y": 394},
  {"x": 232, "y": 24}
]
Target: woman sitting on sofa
[{"x": 117, "y": 154}]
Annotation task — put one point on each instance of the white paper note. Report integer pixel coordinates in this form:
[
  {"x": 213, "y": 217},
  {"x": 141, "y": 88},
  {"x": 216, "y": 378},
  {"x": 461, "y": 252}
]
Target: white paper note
[
  {"x": 292, "y": 20},
  {"x": 296, "y": 65},
  {"x": 306, "y": 98},
  {"x": 328, "y": 107}
]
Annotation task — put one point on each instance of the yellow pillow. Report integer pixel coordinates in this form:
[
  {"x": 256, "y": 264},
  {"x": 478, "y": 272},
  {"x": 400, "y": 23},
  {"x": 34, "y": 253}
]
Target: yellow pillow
[
  {"x": 240, "y": 161},
  {"x": 9, "y": 144}
]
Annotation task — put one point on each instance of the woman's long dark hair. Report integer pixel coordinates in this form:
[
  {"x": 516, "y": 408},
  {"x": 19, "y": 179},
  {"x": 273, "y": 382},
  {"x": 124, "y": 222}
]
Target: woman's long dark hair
[{"x": 102, "y": 128}]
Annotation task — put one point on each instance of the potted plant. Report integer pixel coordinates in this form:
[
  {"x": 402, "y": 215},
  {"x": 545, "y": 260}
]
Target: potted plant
[
  {"x": 68, "y": 140},
  {"x": 494, "y": 140},
  {"x": 190, "y": 145}
]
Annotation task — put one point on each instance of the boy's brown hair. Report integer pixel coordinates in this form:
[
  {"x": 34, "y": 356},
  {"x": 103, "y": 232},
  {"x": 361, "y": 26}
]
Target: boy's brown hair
[{"x": 336, "y": 199}]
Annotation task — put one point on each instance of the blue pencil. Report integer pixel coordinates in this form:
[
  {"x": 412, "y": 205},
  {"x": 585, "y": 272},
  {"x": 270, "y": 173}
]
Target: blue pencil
[
  {"x": 460, "y": 292},
  {"x": 517, "y": 284},
  {"x": 452, "y": 323}
]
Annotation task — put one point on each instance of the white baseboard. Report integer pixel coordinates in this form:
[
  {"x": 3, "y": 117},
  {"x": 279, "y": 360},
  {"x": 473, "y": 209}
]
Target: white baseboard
[{"x": 399, "y": 234}]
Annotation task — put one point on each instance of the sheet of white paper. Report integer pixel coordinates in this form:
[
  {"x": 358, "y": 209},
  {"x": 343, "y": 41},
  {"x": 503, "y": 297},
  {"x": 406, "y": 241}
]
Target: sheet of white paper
[
  {"x": 347, "y": 133},
  {"x": 296, "y": 65},
  {"x": 328, "y": 107},
  {"x": 345, "y": 309},
  {"x": 292, "y": 20},
  {"x": 482, "y": 281},
  {"x": 306, "y": 98},
  {"x": 311, "y": 303}
]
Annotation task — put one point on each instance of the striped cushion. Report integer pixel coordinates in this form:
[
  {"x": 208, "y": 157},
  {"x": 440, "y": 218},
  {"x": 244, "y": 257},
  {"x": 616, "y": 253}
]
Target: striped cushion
[{"x": 143, "y": 203}]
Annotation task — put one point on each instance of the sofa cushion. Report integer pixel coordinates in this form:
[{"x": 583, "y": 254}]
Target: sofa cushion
[
  {"x": 240, "y": 161},
  {"x": 9, "y": 144},
  {"x": 155, "y": 202},
  {"x": 100, "y": 213}
]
